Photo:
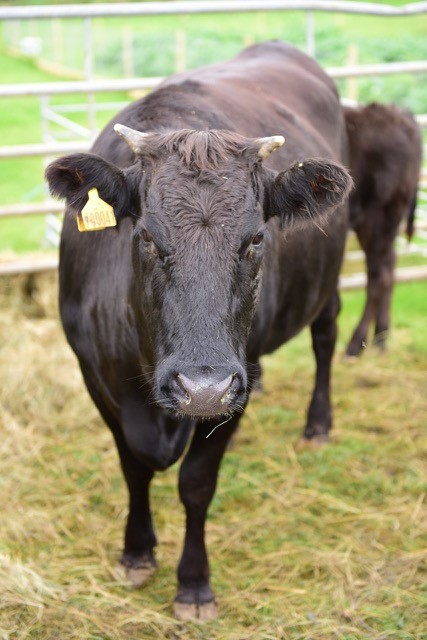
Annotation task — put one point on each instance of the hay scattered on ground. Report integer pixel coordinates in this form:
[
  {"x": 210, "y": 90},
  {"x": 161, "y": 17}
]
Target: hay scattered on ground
[{"x": 303, "y": 545}]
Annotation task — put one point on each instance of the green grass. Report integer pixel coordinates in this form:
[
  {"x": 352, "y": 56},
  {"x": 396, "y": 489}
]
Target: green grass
[{"x": 313, "y": 544}]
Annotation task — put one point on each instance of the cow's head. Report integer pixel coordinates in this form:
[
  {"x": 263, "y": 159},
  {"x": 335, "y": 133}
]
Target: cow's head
[{"x": 199, "y": 201}]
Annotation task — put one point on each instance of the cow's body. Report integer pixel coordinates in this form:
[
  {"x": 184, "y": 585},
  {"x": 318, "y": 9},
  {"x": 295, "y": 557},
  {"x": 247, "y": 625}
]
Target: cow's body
[
  {"x": 140, "y": 385},
  {"x": 385, "y": 151}
]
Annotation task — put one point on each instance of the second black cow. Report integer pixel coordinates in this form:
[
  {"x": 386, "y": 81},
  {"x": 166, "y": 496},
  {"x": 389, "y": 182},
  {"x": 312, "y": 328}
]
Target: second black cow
[
  {"x": 221, "y": 253},
  {"x": 385, "y": 147}
]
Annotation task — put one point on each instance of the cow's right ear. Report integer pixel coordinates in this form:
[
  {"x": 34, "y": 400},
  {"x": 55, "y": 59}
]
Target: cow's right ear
[{"x": 72, "y": 177}]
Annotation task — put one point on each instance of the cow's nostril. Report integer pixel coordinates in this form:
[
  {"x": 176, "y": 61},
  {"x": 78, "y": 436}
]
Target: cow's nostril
[
  {"x": 235, "y": 389},
  {"x": 177, "y": 390}
]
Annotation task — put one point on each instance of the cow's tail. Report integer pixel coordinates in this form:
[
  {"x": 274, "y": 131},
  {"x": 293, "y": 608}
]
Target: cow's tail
[{"x": 411, "y": 218}]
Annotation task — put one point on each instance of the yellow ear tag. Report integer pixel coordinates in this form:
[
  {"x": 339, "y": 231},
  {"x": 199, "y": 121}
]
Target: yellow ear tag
[{"x": 96, "y": 215}]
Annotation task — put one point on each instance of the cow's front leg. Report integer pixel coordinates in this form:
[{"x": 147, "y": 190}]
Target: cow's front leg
[
  {"x": 324, "y": 335},
  {"x": 138, "y": 554},
  {"x": 148, "y": 440},
  {"x": 197, "y": 483},
  {"x": 140, "y": 540}
]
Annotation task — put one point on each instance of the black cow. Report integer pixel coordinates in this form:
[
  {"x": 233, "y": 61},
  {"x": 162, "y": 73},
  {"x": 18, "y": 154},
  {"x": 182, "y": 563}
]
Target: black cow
[
  {"x": 221, "y": 254},
  {"x": 385, "y": 149}
]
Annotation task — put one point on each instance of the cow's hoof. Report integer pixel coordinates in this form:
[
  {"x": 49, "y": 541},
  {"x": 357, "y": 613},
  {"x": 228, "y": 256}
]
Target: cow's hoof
[
  {"x": 204, "y": 612},
  {"x": 138, "y": 570},
  {"x": 312, "y": 444},
  {"x": 139, "y": 576},
  {"x": 195, "y": 604},
  {"x": 353, "y": 354},
  {"x": 354, "y": 349}
]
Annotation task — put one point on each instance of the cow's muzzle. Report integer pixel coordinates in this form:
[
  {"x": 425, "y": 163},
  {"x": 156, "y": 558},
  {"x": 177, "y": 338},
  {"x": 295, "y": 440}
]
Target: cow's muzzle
[{"x": 204, "y": 392}]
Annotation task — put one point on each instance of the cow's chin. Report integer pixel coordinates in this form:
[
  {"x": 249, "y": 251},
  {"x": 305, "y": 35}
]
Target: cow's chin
[
  {"x": 204, "y": 415},
  {"x": 202, "y": 412},
  {"x": 208, "y": 414}
]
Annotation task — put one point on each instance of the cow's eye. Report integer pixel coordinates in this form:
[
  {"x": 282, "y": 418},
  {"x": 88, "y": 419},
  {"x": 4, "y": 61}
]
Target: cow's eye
[
  {"x": 252, "y": 248},
  {"x": 258, "y": 239}
]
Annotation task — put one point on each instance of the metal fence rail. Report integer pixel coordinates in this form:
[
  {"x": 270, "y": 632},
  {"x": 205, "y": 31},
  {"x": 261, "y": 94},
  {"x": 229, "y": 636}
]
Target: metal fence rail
[
  {"x": 208, "y": 6},
  {"x": 131, "y": 84}
]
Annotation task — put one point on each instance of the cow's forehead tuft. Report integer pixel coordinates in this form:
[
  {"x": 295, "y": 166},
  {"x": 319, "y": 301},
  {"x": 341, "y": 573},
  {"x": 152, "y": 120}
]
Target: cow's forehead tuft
[{"x": 197, "y": 150}]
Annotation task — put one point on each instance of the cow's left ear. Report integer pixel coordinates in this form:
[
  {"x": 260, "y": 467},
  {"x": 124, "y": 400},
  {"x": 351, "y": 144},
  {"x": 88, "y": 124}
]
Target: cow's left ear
[
  {"x": 306, "y": 192},
  {"x": 73, "y": 176}
]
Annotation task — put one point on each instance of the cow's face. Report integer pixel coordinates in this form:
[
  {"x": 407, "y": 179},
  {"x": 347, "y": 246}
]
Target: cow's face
[
  {"x": 197, "y": 250},
  {"x": 200, "y": 201}
]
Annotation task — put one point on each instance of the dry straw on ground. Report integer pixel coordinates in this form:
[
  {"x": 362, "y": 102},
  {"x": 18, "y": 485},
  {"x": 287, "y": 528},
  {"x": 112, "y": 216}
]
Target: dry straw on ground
[{"x": 304, "y": 545}]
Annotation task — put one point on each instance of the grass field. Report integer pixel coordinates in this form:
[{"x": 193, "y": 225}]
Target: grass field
[{"x": 319, "y": 545}]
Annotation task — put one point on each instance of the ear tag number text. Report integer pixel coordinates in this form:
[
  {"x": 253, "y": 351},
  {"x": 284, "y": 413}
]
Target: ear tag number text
[{"x": 96, "y": 215}]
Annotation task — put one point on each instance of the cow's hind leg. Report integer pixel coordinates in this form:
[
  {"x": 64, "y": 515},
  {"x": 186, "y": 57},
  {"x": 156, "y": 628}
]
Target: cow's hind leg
[
  {"x": 373, "y": 297},
  {"x": 359, "y": 337},
  {"x": 324, "y": 335},
  {"x": 382, "y": 322},
  {"x": 138, "y": 555},
  {"x": 197, "y": 483},
  {"x": 380, "y": 260},
  {"x": 358, "y": 340}
]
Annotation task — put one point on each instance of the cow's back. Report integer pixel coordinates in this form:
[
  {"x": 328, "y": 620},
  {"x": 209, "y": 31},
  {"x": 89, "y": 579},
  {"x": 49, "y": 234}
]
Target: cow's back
[{"x": 271, "y": 88}]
